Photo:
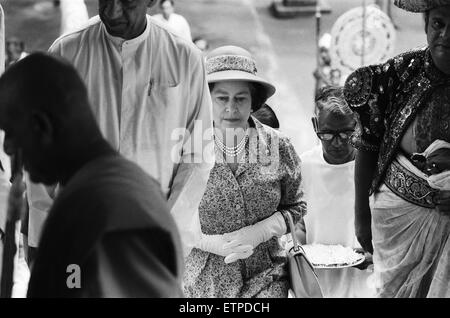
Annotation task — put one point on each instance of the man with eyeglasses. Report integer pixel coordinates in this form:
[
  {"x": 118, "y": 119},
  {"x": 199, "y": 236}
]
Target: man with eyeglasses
[{"x": 328, "y": 171}]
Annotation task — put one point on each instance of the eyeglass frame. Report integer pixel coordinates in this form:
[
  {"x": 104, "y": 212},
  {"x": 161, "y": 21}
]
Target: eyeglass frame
[
  {"x": 315, "y": 123},
  {"x": 348, "y": 133}
]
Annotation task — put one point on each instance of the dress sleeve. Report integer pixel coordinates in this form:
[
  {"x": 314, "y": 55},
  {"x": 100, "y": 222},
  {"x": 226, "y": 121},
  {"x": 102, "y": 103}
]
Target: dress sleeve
[
  {"x": 369, "y": 92},
  {"x": 291, "y": 184},
  {"x": 197, "y": 160}
]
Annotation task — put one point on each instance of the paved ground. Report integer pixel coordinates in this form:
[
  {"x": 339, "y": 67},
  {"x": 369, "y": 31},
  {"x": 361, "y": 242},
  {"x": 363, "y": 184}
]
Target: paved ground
[{"x": 284, "y": 49}]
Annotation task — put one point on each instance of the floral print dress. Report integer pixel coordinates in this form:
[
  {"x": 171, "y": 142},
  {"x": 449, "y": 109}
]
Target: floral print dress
[{"x": 267, "y": 180}]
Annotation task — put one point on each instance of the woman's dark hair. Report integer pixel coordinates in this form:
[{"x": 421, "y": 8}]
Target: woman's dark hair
[
  {"x": 267, "y": 116},
  {"x": 426, "y": 18},
  {"x": 256, "y": 92}
]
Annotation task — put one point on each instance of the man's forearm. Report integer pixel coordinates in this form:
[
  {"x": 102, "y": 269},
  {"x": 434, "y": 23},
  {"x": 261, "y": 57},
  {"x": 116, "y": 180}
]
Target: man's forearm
[{"x": 365, "y": 166}]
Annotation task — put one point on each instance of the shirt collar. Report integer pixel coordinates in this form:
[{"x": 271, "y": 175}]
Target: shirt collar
[{"x": 135, "y": 41}]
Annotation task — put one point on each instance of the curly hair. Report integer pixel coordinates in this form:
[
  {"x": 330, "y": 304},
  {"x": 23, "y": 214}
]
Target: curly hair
[{"x": 332, "y": 99}]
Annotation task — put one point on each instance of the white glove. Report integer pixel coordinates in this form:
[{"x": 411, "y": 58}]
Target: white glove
[
  {"x": 257, "y": 233},
  {"x": 233, "y": 257},
  {"x": 216, "y": 244}
]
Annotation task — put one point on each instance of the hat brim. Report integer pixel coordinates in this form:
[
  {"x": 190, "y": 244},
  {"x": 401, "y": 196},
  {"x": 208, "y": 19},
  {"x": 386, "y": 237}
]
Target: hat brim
[
  {"x": 419, "y": 6},
  {"x": 233, "y": 75}
]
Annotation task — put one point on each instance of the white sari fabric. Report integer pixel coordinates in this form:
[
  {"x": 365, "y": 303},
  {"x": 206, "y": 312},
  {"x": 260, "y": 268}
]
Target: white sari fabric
[{"x": 411, "y": 248}]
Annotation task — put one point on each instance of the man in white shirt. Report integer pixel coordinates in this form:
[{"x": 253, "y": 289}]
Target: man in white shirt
[
  {"x": 177, "y": 23},
  {"x": 328, "y": 171},
  {"x": 150, "y": 97}
]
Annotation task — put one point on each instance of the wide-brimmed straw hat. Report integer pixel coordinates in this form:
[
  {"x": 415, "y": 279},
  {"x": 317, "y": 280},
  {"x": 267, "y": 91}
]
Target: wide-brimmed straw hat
[
  {"x": 420, "y": 5},
  {"x": 233, "y": 63}
]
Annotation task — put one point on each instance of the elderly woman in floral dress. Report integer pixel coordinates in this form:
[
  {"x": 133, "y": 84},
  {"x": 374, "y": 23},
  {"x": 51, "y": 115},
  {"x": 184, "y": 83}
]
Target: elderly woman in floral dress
[{"x": 254, "y": 184}]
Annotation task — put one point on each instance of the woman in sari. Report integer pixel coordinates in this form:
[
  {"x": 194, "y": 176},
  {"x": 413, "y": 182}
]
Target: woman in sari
[
  {"x": 254, "y": 184},
  {"x": 404, "y": 109}
]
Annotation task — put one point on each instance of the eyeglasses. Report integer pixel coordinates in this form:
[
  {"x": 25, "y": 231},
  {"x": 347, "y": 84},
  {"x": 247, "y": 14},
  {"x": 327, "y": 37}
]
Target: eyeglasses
[{"x": 330, "y": 135}]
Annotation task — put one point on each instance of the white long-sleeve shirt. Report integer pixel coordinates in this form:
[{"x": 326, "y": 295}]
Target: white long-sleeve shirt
[
  {"x": 152, "y": 103},
  {"x": 330, "y": 195}
]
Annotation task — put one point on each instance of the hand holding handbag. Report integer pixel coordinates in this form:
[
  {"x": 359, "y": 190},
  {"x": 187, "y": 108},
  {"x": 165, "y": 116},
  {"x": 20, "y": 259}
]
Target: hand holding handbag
[{"x": 303, "y": 278}]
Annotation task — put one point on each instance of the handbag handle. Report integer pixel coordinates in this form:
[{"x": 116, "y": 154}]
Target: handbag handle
[{"x": 297, "y": 245}]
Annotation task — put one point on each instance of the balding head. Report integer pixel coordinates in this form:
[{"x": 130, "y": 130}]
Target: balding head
[
  {"x": 44, "y": 83},
  {"x": 44, "y": 111}
]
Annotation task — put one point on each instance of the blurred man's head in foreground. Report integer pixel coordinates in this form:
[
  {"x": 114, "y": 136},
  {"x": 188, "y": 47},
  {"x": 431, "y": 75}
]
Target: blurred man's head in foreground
[{"x": 45, "y": 115}]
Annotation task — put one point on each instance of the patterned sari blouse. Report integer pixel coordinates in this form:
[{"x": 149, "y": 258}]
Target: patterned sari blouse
[
  {"x": 389, "y": 98},
  {"x": 267, "y": 180}
]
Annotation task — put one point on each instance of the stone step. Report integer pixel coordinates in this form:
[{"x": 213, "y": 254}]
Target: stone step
[
  {"x": 280, "y": 10},
  {"x": 298, "y": 3}
]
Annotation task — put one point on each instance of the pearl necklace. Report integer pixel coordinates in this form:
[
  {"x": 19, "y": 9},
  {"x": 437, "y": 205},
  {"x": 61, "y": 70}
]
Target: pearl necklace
[{"x": 232, "y": 151}]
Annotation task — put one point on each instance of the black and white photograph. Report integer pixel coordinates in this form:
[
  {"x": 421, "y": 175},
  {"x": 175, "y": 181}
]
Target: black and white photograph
[{"x": 213, "y": 151}]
